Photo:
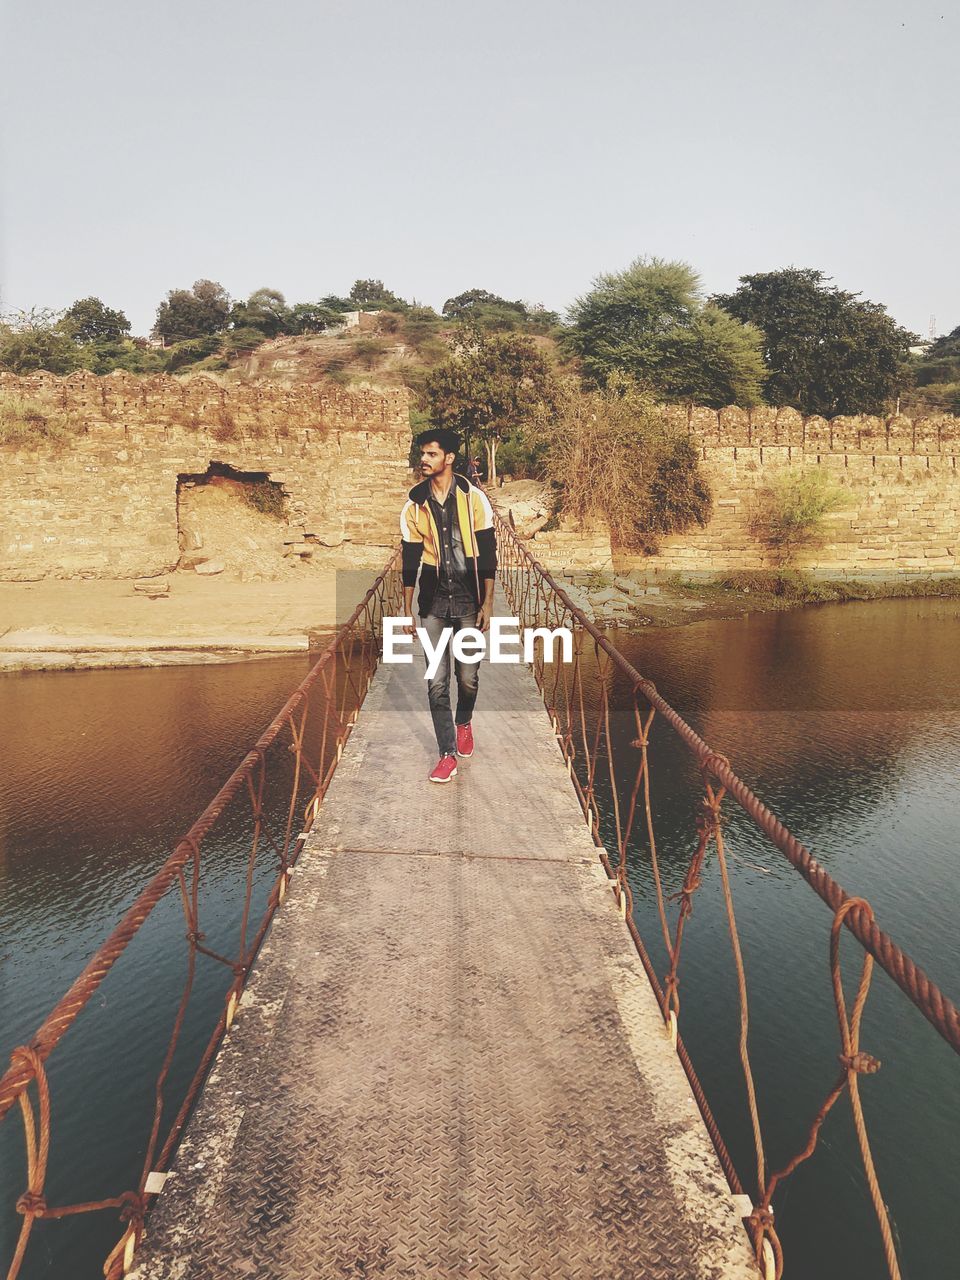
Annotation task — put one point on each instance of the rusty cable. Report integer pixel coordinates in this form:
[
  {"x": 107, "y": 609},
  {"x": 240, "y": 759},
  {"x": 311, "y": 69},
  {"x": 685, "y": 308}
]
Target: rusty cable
[
  {"x": 936, "y": 1007},
  {"x": 720, "y": 780}
]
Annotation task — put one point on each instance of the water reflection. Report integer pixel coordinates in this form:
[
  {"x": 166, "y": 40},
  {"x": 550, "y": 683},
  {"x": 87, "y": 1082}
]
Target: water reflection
[
  {"x": 101, "y": 773},
  {"x": 844, "y": 719}
]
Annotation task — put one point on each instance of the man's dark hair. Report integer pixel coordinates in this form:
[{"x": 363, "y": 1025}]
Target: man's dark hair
[{"x": 448, "y": 440}]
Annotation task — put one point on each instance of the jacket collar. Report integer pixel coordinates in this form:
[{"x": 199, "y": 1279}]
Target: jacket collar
[{"x": 421, "y": 491}]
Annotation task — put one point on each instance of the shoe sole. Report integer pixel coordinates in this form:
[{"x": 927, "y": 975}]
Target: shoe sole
[
  {"x": 465, "y": 755},
  {"x": 441, "y": 781}
]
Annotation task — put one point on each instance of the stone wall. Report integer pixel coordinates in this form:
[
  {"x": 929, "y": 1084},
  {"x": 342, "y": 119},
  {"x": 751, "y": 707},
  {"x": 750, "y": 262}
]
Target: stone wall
[
  {"x": 104, "y": 504},
  {"x": 902, "y": 475}
]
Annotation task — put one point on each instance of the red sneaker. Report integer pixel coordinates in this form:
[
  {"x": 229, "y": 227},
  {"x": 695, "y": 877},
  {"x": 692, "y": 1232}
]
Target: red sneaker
[
  {"x": 464, "y": 740},
  {"x": 446, "y": 768}
]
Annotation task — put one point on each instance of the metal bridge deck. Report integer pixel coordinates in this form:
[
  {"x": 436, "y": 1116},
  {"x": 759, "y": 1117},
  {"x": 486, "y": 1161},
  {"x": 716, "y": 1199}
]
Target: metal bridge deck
[{"x": 448, "y": 1062}]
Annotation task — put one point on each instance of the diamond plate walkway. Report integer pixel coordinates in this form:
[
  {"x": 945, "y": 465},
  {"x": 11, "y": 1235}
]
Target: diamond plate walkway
[{"x": 448, "y": 1062}]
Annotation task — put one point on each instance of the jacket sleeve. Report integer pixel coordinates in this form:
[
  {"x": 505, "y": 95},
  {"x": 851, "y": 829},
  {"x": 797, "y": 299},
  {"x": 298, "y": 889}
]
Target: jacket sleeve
[
  {"x": 485, "y": 535},
  {"x": 411, "y": 544}
]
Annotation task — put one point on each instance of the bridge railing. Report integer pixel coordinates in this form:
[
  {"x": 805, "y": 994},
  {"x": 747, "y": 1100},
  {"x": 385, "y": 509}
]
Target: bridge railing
[
  {"x": 612, "y": 778},
  {"x": 256, "y": 823}
]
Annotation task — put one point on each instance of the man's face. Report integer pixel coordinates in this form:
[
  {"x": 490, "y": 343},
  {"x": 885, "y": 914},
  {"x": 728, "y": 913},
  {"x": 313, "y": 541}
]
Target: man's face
[{"x": 433, "y": 459}]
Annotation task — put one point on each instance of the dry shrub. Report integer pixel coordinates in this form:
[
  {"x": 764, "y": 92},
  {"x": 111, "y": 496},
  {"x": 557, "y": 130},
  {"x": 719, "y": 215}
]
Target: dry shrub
[
  {"x": 612, "y": 454},
  {"x": 389, "y": 322},
  {"x": 791, "y": 511},
  {"x": 31, "y": 423},
  {"x": 265, "y": 496},
  {"x": 189, "y": 419},
  {"x": 370, "y": 351}
]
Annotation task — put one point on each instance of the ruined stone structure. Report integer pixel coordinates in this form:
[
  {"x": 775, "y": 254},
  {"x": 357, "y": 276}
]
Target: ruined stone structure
[{"x": 105, "y": 503}]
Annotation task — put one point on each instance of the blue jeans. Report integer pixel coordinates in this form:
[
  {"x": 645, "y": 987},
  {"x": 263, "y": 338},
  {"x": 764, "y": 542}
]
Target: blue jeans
[{"x": 438, "y": 688}]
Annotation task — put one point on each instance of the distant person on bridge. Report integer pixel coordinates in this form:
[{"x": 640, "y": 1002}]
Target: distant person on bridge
[{"x": 447, "y": 529}]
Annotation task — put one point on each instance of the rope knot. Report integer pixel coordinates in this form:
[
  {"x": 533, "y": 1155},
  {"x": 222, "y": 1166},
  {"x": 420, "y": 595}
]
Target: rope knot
[
  {"x": 133, "y": 1209},
  {"x": 709, "y": 764},
  {"x": 685, "y": 896},
  {"x": 709, "y": 819},
  {"x": 26, "y": 1055},
  {"x": 194, "y": 936},
  {"x": 31, "y": 1202},
  {"x": 762, "y": 1218},
  {"x": 862, "y": 1063}
]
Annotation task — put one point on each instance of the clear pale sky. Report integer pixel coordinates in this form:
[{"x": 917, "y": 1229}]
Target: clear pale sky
[{"x": 520, "y": 146}]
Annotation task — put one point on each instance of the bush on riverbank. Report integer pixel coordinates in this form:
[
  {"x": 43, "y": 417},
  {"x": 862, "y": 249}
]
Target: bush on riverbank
[{"x": 612, "y": 454}]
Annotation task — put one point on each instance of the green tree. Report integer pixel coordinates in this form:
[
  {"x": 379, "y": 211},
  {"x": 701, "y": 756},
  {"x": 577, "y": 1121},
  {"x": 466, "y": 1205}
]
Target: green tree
[
  {"x": 650, "y": 323},
  {"x": 491, "y": 386},
  {"x": 90, "y": 320},
  {"x": 419, "y": 328},
  {"x": 240, "y": 342},
  {"x": 186, "y": 314},
  {"x": 334, "y": 303},
  {"x": 266, "y": 310},
  {"x": 937, "y": 377},
  {"x": 102, "y": 336},
  {"x": 191, "y": 351},
  {"x": 485, "y": 309},
  {"x": 105, "y": 355},
  {"x": 314, "y": 317},
  {"x": 372, "y": 294},
  {"x": 133, "y": 355},
  {"x": 489, "y": 311},
  {"x": 713, "y": 360},
  {"x": 827, "y": 351},
  {"x": 139, "y": 357},
  {"x": 33, "y": 340},
  {"x": 947, "y": 348},
  {"x": 619, "y": 326},
  {"x": 541, "y": 320}
]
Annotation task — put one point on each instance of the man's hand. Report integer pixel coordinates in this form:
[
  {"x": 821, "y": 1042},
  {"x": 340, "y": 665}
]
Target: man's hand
[
  {"x": 483, "y": 618},
  {"x": 408, "y": 628}
]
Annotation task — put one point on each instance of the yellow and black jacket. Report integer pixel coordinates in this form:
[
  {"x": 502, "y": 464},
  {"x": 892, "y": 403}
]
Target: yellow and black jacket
[{"x": 421, "y": 540}]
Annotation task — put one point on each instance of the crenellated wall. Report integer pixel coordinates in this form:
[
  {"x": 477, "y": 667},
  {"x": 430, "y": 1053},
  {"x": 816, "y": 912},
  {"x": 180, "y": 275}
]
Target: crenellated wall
[
  {"x": 902, "y": 475},
  {"x": 104, "y": 503}
]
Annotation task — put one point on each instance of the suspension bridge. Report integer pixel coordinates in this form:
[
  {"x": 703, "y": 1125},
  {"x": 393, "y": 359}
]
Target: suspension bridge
[{"x": 443, "y": 1049}]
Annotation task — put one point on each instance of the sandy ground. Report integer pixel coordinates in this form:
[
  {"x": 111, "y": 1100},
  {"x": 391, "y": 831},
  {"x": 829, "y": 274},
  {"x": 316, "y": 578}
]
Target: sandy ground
[
  {"x": 60, "y": 625},
  {"x": 52, "y": 624}
]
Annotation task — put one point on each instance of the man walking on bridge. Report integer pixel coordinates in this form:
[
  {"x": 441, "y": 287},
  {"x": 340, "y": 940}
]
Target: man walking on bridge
[{"x": 447, "y": 529}]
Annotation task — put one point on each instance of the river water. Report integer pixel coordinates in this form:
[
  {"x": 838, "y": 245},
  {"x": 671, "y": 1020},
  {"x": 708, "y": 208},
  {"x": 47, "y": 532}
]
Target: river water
[{"x": 845, "y": 719}]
